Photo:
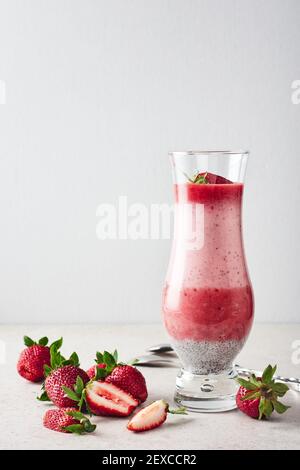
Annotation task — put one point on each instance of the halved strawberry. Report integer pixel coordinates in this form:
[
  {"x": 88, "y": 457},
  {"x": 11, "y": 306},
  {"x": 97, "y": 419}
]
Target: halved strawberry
[
  {"x": 152, "y": 416},
  {"x": 107, "y": 399},
  {"x": 125, "y": 376}
]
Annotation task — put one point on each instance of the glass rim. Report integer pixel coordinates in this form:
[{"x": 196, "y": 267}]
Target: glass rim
[{"x": 181, "y": 153}]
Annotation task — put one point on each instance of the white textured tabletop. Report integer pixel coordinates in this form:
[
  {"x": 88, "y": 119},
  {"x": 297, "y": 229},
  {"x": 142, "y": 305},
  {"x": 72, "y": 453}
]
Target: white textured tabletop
[{"x": 21, "y": 414}]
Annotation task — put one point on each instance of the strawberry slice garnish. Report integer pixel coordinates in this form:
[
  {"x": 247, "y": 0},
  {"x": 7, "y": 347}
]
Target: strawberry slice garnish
[
  {"x": 208, "y": 178},
  {"x": 152, "y": 416},
  {"x": 258, "y": 396}
]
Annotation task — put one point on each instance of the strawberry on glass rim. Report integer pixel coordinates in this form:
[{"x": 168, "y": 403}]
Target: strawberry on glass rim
[
  {"x": 208, "y": 178},
  {"x": 258, "y": 396}
]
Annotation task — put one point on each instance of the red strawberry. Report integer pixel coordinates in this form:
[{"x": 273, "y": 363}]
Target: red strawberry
[
  {"x": 130, "y": 379},
  {"x": 68, "y": 420},
  {"x": 65, "y": 376},
  {"x": 250, "y": 407},
  {"x": 125, "y": 376},
  {"x": 91, "y": 372},
  {"x": 152, "y": 416},
  {"x": 209, "y": 178},
  {"x": 258, "y": 396},
  {"x": 108, "y": 400},
  {"x": 32, "y": 359}
]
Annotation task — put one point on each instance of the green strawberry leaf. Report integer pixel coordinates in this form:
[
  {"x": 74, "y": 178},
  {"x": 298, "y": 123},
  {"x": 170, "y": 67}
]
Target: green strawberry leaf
[
  {"x": 246, "y": 384},
  {"x": 43, "y": 341},
  {"x": 268, "y": 408},
  {"x": 268, "y": 374},
  {"x": 56, "y": 345},
  {"x": 261, "y": 407},
  {"x": 109, "y": 360},
  {"x": 83, "y": 403},
  {"x": 43, "y": 397},
  {"x": 47, "y": 370},
  {"x": 255, "y": 381},
  {"x": 56, "y": 357},
  {"x": 100, "y": 373},
  {"x": 280, "y": 388},
  {"x": 133, "y": 362},
  {"x": 251, "y": 396},
  {"x": 279, "y": 407},
  {"x": 76, "y": 414},
  {"x": 99, "y": 358},
  {"x": 28, "y": 341},
  {"x": 74, "y": 359},
  {"x": 79, "y": 386},
  {"x": 200, "y": 179},
  {"x": 70, "y": 393},
  {"x": 65, "y": 362},
  {"x": 178, "y": 411},
  {"x": 115, "y": 356},
  {"x": 74, "y": 428},
  {"x": 88, "y": 426}
]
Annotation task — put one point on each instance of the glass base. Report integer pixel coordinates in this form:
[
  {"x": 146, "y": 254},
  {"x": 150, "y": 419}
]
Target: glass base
[{"x": 206, "y": 393}]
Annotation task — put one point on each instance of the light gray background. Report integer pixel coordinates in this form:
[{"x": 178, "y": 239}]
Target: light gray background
[{"x": 97, "y": 93}]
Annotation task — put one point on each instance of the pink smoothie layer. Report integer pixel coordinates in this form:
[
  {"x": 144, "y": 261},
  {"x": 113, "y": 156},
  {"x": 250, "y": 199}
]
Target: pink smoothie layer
[{"x": 208, "y": 295}]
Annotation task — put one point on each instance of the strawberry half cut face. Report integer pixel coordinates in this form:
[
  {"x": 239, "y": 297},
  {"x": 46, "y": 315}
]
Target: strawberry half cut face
[{"x": 107, "y": 399}]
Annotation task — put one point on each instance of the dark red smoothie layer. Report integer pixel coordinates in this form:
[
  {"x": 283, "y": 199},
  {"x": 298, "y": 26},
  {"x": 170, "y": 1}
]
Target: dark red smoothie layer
[{"x": 207, "y": 193}]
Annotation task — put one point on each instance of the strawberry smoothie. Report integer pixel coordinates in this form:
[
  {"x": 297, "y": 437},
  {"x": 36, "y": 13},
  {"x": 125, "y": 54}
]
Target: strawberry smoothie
[{"x": 207, "y": 299}]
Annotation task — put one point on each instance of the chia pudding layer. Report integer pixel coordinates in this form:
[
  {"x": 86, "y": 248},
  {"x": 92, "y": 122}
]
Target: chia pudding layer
[{"x": 207, "y": 357}]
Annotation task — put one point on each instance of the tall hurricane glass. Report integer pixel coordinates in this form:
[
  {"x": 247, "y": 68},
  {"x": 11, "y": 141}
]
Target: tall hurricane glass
[{"x": 208, "y": 298}]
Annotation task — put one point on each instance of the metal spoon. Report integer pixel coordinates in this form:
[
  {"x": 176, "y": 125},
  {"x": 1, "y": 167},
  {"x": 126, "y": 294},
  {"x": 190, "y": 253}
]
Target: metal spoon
[{"x": 160, "y": 348}]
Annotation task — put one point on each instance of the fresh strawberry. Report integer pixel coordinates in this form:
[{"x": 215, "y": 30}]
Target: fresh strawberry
[
  {"x": 63, "y": 374},
  {"x": 106, "y": 399},
  {"x": 124, "y": 376},
  {"x": 258, "y": 396},
  {"x": 209, "y": 178},
  {"x": 33, "y": 358},
  {"x": 130, "y": 379},
  {"x": 152, "y": 416},
  {"x": 68, "y": 420},
  {"x": 91, "y": 372}
]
